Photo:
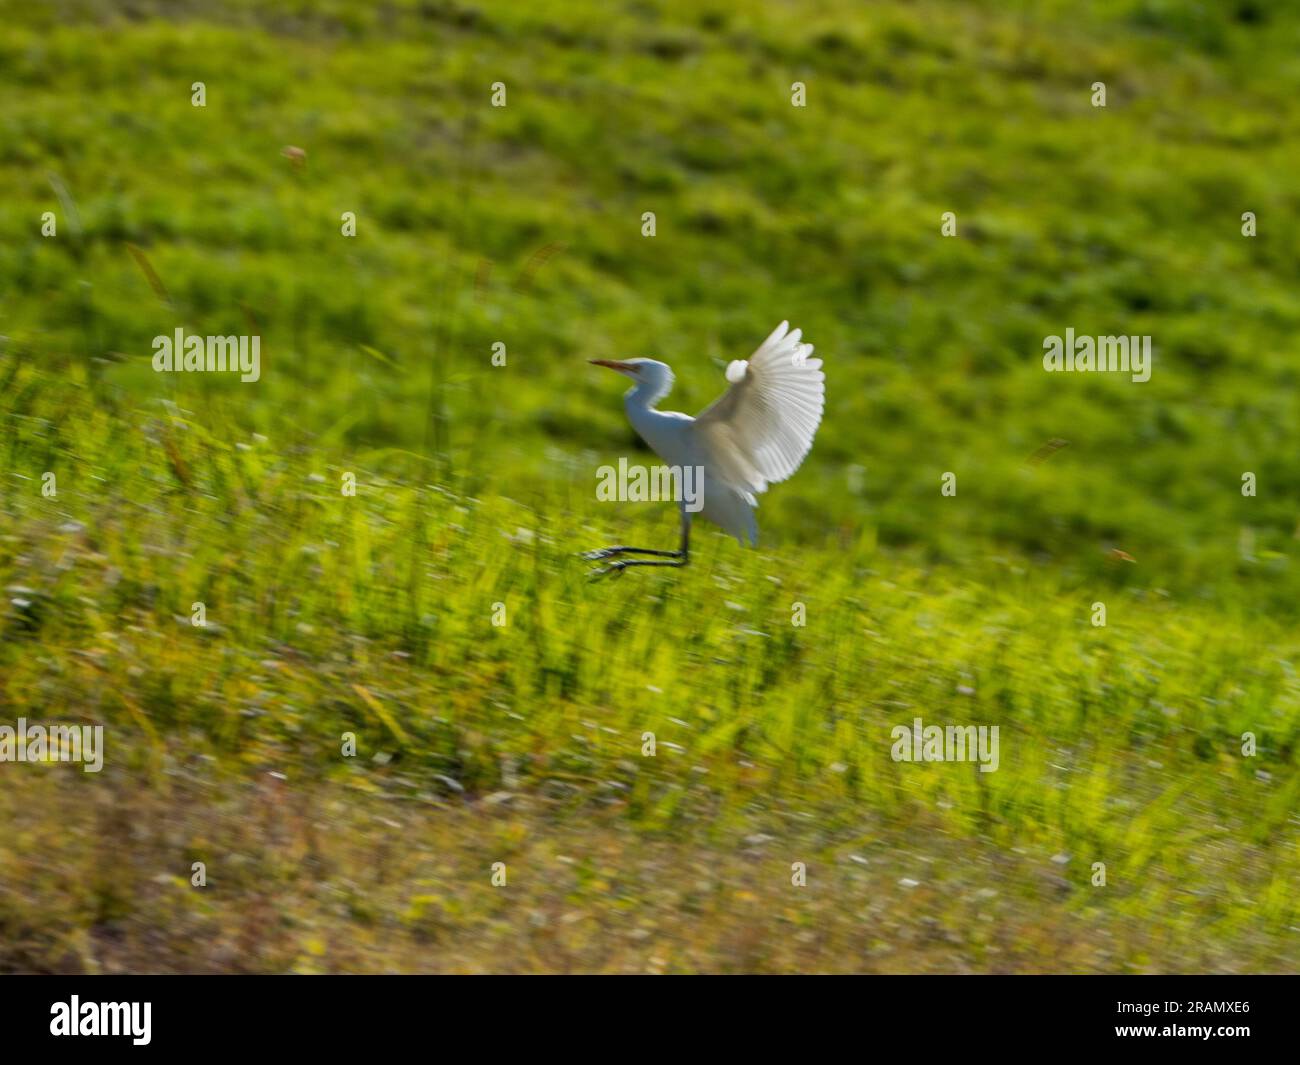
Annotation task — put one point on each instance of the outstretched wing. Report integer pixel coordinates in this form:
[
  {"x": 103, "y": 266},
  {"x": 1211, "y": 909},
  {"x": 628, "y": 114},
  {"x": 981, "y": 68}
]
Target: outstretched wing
[{"x": 760, "y": 429}]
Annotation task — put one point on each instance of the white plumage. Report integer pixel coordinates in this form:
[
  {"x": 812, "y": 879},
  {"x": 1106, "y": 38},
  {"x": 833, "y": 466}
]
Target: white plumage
[
  {"x": 760, "y": 429},
  {"x": 755, "y": 434}
]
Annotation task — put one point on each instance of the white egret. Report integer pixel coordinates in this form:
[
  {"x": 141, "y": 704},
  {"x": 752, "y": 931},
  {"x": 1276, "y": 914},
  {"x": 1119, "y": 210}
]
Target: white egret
[{"x": 755, "y": 434}]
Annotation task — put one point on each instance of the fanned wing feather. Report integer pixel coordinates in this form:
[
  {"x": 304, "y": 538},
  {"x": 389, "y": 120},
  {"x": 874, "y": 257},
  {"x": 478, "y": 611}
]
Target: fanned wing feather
[{"x": 760, "y": 429}]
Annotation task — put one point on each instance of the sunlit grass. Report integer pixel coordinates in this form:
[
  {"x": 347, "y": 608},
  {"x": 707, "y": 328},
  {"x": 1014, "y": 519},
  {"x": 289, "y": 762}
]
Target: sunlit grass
[{"x": 329, "y": 614}]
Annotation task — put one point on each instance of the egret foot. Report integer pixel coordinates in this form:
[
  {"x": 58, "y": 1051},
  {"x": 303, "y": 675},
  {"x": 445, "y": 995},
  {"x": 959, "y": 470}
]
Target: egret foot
[
  {"x": 610, "y": 552},
  {"x": 625, "y": 563}
]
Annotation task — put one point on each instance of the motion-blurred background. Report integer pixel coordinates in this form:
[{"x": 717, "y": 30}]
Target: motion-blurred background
[{"x": 499, "y": 703}]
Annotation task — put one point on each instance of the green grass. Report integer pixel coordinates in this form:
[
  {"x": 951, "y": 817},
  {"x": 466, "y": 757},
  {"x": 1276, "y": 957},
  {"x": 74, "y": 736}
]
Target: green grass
[{"x": 522, "y": 743}]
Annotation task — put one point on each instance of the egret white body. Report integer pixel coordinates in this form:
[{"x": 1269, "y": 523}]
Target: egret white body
[{"x": 757, "y": 433}]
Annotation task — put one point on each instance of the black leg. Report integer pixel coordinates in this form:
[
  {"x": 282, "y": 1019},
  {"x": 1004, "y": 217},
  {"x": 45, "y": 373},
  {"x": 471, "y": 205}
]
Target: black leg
[
  {"x": 610, "y": 552},
  {"x": 680, "y": 557}
]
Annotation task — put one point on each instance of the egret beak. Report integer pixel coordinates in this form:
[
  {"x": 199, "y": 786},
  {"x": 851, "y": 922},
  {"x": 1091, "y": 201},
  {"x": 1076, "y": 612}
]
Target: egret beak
[{"x": 621, "y": 367}]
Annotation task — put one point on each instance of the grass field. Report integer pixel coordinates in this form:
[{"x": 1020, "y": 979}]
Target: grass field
[{"x": 377, "y": 614}]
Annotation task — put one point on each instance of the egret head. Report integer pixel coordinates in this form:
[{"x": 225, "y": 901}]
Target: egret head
[{"x": 652, "y": 378}]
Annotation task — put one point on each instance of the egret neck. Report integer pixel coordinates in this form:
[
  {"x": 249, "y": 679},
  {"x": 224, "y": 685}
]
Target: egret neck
[{"x": 661, "y": 430}]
